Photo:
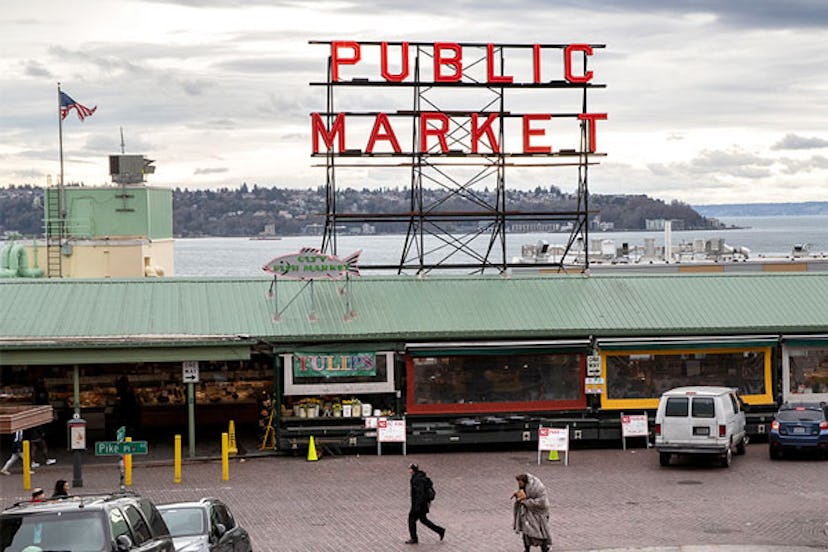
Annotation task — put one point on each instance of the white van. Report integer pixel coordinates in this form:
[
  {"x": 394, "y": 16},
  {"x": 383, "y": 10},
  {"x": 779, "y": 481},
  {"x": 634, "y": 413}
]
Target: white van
[{"x": 700, "y": 420}]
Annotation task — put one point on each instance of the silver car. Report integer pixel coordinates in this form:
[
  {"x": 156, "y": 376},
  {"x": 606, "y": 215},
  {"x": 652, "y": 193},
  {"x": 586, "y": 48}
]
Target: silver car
[{"x": 204, "y": 526}]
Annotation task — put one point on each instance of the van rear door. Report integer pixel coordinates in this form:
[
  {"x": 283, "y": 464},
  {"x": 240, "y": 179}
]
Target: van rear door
[
  {"x": 676, "y": 425},
  {"x": 703, "y": 416}
]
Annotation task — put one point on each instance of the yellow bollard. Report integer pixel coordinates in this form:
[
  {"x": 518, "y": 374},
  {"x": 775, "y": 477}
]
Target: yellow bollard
[
  {"x": 128, "y": 466},
  {"x": 231, "y": 436},
  {"x": 177, "y": 478},
  {"x": 225, "y": 461},
  {"x": 27, "y": 465},
  {"x": 553, "y": 456}
]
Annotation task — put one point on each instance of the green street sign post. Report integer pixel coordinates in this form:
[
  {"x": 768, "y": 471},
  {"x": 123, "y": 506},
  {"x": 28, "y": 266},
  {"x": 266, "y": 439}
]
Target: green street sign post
[
  {"x": 116, "y": 448},
  {"x": 120, "y": 435}
]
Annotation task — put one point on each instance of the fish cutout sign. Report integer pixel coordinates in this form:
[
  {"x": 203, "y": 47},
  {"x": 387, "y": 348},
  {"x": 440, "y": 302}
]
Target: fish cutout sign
[{"x": 312, "y": 264}]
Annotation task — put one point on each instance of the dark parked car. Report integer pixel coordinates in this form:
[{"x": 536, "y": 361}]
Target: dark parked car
[
  {"x": 799, "y": 426},
  {"x": 118, "y": 522},
  {"x": 204, "y": 526}
]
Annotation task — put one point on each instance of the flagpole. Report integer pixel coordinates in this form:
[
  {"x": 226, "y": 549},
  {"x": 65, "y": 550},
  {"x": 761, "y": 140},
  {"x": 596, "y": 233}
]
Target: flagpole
[{"x": 60, "y": 139}]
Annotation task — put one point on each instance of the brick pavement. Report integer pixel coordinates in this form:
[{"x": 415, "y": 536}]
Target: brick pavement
[{"x": 605, "y": 499}]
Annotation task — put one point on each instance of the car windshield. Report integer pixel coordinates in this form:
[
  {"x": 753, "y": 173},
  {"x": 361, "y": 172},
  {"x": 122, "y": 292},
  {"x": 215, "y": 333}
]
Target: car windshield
[
  {"x": 184, "y": 522},
  {"x": 52, "y": 532},
  {"x": 805, "y": 415}
]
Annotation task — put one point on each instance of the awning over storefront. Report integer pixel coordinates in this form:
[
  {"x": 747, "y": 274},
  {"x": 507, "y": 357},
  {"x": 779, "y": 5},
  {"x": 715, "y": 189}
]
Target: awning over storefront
[
  {"x": 695, "y": 342},
  {"x": 20, "y": 417},
  {"x": 62, "y": 354},
  {"x": 496, "y": 347},
  {"x": 816, "y": 340}
]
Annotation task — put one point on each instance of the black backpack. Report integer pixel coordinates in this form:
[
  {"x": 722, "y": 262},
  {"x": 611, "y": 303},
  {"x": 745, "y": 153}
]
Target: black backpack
[{"x": 430, "y": 492}]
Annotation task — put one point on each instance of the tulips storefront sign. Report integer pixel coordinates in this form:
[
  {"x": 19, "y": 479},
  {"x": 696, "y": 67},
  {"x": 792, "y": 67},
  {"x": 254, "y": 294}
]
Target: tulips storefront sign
[{"x": 315, "y": 365}]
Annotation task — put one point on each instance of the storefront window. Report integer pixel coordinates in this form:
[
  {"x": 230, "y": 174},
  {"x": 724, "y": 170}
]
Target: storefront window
[
  {"x": 809, "y": 370},
  {"x": 648, "y": 375},
  {"x": 464, "y": 379}
]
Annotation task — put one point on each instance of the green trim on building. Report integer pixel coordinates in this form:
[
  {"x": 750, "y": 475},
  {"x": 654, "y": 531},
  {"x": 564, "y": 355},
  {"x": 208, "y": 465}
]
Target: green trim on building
[
  {"x": 61, "y": 356},
  {"x": 690, "y": 345}
]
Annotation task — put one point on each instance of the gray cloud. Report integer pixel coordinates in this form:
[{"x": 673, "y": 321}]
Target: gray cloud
[
  {"x": 36, "y": 70},
  {"x": 718, "y": 163},
  {"x": 800, "y": 166},
  {"x": 210, "y": 171},
  {"x": 768, "y": 14},
  {"x": 794, "y": 142}
]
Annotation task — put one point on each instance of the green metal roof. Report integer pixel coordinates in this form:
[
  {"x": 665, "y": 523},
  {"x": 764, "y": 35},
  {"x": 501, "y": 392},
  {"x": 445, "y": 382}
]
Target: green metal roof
[{"x": 193, "y": 312}]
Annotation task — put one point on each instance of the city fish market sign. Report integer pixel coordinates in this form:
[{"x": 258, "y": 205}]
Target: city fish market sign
[{"x": 312, "y": 264}]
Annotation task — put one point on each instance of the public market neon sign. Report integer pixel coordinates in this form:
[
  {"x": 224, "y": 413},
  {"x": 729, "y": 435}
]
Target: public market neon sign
[{"x": 450, "y": 67}]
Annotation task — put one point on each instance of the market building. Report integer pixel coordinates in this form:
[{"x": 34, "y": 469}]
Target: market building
[{"x": 463, "y": 360}]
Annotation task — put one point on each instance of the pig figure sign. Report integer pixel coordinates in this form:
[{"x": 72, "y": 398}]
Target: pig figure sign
[{"x": 312, "y": 264}]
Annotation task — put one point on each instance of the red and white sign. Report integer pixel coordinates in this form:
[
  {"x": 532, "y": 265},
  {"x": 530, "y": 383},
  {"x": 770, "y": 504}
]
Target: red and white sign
[
  {"x": 390, "y": 431},
  {"x": 634, "y": 425},
  {"x": 553, "y": 438}
]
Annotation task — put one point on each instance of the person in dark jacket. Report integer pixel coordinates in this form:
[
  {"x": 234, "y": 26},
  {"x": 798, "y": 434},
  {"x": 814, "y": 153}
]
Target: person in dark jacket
[{"x": 419, "y": 506}]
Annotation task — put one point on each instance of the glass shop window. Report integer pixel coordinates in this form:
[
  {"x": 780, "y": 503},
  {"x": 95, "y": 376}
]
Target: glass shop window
[
  {"x": 637, "y": 375},
  {"x": 809, "y": 370},
  {"x": 461, "y": 379}
]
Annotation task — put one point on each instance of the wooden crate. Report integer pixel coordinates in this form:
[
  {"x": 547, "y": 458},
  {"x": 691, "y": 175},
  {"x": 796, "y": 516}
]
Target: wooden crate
[{"x": 13, "y": 418}]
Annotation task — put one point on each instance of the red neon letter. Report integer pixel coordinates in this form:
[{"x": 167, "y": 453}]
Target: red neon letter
[
  {"x": 528, "y": 132},
  {"x": 478, "y": 131},
  {"x": 384, "y": 63},
  {"x": 585, "y": 48},
  {"x": 536, "y": 52},
  {"x": 455, "y": 61},
  {"x": 328, "y": 138},
  {"x": 592, "y": 117},
  {"x": 387, "y": 134},
  {"x": 336, "y": 59},
  {"x": 439, "y": 131},
  {"x": 490, "y": 76}
]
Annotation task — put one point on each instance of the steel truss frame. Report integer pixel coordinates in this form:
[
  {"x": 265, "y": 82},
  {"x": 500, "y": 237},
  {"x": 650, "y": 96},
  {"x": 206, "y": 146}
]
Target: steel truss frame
[{"x": 487, "y": 215}]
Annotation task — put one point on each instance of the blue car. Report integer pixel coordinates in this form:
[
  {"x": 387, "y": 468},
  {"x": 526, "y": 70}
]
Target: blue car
[{"x": 800, "y": 427}]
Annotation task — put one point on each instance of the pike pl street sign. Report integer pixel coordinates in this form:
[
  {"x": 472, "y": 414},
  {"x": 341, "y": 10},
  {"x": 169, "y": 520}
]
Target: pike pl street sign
[{"x": 115, "y": 448}]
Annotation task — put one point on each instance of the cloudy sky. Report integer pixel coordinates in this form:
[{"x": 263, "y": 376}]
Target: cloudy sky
[{"x": 708, "y": 101}]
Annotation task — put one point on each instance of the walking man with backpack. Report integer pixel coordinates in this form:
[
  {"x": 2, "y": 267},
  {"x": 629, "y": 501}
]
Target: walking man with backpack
[{"x": 422, "y": 493}]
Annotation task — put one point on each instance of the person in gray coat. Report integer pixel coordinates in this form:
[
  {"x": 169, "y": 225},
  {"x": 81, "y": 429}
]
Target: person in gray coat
[{"x": 531, "y": 512}]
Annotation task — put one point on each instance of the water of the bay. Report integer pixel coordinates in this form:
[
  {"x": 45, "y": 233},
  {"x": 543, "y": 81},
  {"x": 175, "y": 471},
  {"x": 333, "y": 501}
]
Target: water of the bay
[{"x": 769, "y": 236}]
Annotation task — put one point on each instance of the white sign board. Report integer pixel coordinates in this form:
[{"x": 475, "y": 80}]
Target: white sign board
[
  {"x": 634, "y": 425},
  {"x": 390, "y": 431},
  {"x": 77, "y": 437},
  {"x": 554, "y": 438},
  {"x": 189, "y": 371},
  {"x": 593, "y": 365}
]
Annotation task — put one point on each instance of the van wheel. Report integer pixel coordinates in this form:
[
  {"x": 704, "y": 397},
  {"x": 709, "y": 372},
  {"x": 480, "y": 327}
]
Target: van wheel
[
  {"x": 775, "y": 453},
  {"x": 664, "y": 458},
  {"x": 727, "y": 458},
  {"x": 740, "y": 448}
]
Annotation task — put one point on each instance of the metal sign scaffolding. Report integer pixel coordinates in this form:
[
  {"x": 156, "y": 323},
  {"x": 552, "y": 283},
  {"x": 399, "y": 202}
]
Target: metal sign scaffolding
[{"x": 457, "y": 214}]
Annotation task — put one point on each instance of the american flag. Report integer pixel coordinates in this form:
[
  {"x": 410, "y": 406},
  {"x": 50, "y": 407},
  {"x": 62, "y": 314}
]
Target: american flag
[{"x": 67, "y": 104}]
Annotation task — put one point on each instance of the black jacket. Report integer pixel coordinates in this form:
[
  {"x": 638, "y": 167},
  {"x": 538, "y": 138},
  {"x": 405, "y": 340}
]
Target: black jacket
[{"x": 419, "y": 495}]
